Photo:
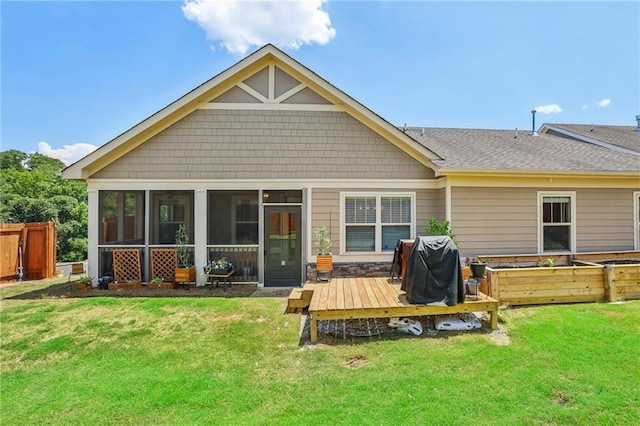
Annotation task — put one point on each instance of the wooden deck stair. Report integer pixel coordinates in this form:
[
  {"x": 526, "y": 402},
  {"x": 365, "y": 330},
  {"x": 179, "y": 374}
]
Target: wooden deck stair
[{"x": 300, "y": 298}]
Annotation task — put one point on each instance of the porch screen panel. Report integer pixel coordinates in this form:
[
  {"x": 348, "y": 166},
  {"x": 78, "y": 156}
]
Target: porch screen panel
[
  {"x": 121, "y": 217},
  {"x": 169, "y": 210},
  {"x": 232, "y": 218}
]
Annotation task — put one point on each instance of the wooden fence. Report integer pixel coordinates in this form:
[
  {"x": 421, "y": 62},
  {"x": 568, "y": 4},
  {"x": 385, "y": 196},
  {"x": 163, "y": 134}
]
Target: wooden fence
[
  {"x": 38, "y": 242},
  {"x": 583, "y": 279}
]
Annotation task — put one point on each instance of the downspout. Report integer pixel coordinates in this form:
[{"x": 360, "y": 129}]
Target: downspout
[{"x": 447, "y": 202}]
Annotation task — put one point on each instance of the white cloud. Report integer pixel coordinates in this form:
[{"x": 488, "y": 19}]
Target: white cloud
[
  {"x": 68, "y": 154},
  {"x": 604, "y": 102},
  {"x": 240, "y": 24},
  {"x": 548, "y": 109},
  {"x": 585, "y": 106}
]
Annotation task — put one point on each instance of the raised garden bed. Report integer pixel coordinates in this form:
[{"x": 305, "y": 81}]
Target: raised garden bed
[{"x": 582, "y": 277}]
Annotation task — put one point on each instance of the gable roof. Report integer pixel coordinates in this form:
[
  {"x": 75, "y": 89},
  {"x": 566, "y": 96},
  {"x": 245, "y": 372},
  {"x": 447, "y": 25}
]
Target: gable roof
[
  {"x": 615, "y": 137},
  {"x": 483, "y": 150},
  {"x": 224, "y": 82}
]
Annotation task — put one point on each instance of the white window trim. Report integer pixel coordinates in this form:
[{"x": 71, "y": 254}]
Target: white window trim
[
  {"x": 636, "y": 220},
  {"x": 572, "y": 236},
  {"x": 378, "y": 224}
]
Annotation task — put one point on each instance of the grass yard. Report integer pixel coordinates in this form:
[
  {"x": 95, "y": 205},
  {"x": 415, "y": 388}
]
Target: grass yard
[{"x": 237, "y": 361}]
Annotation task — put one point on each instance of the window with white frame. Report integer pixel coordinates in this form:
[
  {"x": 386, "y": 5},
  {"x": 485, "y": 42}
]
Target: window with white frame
[
  {"x": 557, "y": 221},
  {"x": 375, "y": 222}
]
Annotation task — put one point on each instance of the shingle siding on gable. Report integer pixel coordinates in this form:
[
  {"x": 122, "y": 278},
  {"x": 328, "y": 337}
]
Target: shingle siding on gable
[{"x": 245, "y": 144}]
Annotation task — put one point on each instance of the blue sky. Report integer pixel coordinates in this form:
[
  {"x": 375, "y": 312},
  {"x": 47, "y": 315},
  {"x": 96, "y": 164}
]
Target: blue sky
[{"x": 77, "y": 74}]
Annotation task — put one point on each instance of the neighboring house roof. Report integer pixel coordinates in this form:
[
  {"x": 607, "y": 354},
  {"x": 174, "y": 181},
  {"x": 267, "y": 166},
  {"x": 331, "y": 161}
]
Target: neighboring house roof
[
  {"x": 500, "y": 150},
  {"x": 623, "y": 137},
  {"x": 236, "y": 77}
]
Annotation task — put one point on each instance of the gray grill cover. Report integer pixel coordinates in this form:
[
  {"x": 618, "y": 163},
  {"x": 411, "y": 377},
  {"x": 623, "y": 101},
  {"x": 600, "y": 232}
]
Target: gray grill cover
[{"x": 434, "y": 273}]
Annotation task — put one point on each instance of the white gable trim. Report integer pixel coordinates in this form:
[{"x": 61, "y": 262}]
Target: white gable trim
[
  {"x": 273, "y": 107},
  {"x": 185, "y": 105}
]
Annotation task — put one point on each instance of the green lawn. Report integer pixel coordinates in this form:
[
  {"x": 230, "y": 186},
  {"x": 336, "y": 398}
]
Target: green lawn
[{"x": 97, "y": 361}]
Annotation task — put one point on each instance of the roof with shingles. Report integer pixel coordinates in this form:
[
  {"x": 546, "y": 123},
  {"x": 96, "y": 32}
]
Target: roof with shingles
[
  {"x": 500, "y": 150},
  {"x": 623, "y": 136}
]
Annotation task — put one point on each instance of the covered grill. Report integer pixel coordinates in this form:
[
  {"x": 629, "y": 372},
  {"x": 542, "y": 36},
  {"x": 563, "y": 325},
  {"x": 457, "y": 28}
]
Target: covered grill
[{"x": 434, "y": 273}]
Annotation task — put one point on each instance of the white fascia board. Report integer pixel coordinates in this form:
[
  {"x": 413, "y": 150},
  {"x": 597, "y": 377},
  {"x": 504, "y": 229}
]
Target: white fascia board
[{"x": 195, "y": 184}]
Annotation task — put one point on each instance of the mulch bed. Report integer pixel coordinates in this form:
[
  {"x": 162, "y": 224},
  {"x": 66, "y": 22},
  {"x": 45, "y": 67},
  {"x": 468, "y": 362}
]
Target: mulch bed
[{"x": 66, "y": 290}]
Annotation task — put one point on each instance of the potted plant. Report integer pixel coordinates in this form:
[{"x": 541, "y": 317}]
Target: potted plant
[
  {"x": 220, "y": 266},
  {"x": 158, "y": 282},
  {"x": 324, "y": 259},
  {"x": 84, "y": 282},
  {"x": 438, "y": 229},
  {"x": 185, "y": 271},
  {"x": 478, "y": 268}
]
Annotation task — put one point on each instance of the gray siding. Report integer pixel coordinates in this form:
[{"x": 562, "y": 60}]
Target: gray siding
[
  {"x": 495, "y": 220},
  {"x": 504, "y": 220},
  {"x": 259, "y": 82},
  {"x": 240, "y": 144},
  {"x": 604, "y": 219}
]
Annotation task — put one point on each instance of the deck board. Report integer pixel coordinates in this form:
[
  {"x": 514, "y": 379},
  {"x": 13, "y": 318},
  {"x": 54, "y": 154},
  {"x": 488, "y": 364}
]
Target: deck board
[
  {"x": 355, "y": 294},
  {"x": 347, "y": 298}
]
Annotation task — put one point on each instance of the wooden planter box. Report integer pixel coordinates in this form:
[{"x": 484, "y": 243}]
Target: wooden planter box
[
  {"x": 84, "y": 286},
  {"x": 185, "y": 275},
  {"x": 577, "y": 277},
  {"x": 324, "y": 267},
  {"x": 134, "y": 285},
  {"x": 160, "y": 286}
]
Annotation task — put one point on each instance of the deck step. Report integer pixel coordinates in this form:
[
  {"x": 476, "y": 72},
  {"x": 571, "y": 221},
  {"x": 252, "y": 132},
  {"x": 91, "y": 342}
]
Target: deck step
[{"x": 299, "y": 299}]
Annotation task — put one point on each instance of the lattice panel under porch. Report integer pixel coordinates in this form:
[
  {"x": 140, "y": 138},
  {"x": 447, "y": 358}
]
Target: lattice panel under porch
[
  {"x": 163, "y": 263},
  {"x": 126, "y": 265}
]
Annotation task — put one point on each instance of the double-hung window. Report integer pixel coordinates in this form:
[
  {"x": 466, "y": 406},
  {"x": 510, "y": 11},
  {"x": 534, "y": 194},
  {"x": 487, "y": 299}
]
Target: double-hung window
[
  {"x": 556, "y": 221},
  {"x": 375, "y": 222}
]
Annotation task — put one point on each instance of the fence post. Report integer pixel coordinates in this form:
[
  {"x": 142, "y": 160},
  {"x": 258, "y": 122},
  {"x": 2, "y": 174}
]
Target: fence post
[{"x": 611, "y": 292}]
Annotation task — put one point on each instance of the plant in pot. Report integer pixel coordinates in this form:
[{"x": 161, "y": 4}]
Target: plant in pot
[
  {"x": 185, "y": 271},
  {"x": 478, "y": 268},
  {"x": 158, "y": 282},
  {"x": 84, "y": 282},
  {"x": 324, "y": 259},
  {"x": 438, "y": 229}
]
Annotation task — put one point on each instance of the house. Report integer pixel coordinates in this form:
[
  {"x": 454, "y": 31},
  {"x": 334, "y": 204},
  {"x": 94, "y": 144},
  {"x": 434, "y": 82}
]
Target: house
[{"x": 256, "y": 158}]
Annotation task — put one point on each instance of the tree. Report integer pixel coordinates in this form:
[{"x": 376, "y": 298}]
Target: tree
[
  {"x": 47, "y": 165},
  {"x": 32, "y": 190},
  {"x": 12, "y": 159}
]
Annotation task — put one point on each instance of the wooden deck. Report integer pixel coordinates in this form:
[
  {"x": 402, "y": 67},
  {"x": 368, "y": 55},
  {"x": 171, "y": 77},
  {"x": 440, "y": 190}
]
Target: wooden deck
[{"x": 349, "y": 298}]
